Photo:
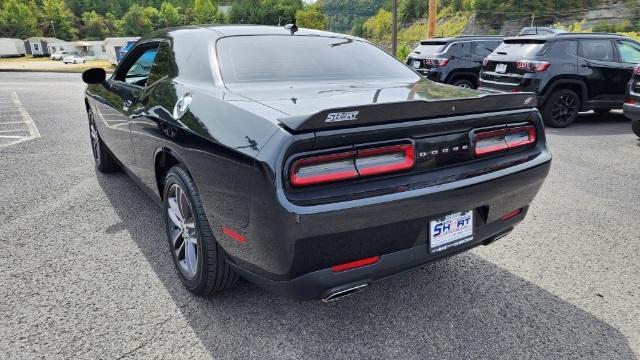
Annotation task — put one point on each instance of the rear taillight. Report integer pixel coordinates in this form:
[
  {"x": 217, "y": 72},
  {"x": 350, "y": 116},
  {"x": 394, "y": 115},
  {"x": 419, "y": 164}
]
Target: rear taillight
[
  {"x": 636, "y": 70},
  {"x": 630, "y": 101},
  {"x": 532, "y": 65},
  {"x": 437, "y": 62},
  {"x": 493, "y": 141},
  {"x": 326, "y": 168},
  {"x": 352, "y": 164}
]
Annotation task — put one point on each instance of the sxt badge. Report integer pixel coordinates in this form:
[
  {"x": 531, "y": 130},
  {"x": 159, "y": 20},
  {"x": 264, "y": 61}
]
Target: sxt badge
[{"x": 342, "y": 116}]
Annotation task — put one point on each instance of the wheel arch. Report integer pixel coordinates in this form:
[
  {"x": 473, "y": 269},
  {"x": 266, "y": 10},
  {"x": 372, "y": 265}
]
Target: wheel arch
[
  {"x": 467, "y": 75},
  {"x": 571, "y": 84},
  {"x": 164, "y": 159}
]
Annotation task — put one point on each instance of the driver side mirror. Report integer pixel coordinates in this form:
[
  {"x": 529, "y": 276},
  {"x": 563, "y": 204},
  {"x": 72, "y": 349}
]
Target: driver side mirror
[{"x": 94, "y": 76}]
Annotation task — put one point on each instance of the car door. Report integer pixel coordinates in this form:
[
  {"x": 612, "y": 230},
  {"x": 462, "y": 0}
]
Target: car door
[
  {"x": 598, "y": 66},
  {"x": 153, "y": 124},
  {"x": 125, "y": 87},
  {"x": 629, "y": 55}
]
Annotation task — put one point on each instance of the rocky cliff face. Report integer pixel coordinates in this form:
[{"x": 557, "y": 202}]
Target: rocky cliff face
[{"x": 613, "y": 12}]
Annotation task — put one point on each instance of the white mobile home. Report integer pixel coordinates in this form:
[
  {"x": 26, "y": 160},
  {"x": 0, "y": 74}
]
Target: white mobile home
[
  {"x": 91, "y": 49},
  {"x": 55, "y": 47},
  {"x": 11, "y": 47},
  {"x": 113, "y": 45},
  {"x": 39, "y": 46}
]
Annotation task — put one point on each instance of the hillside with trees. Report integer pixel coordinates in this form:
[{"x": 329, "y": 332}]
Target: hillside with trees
[{"x": 372, "y": 19}]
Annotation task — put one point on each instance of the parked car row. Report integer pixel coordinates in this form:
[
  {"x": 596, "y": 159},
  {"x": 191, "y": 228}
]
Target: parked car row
[{"x": 569, "y": 72}]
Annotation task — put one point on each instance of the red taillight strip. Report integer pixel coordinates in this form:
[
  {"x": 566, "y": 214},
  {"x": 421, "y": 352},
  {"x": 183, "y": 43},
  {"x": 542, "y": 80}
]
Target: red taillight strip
[
  {"x": 407, "y": 162},
  {"x": 348, "y": 172},
  {"x": 352, "y": 164},
  {"x": 234, "y": 235},
  {"x": 355, "y": 264},
  {"x": 503, "y": 139}
]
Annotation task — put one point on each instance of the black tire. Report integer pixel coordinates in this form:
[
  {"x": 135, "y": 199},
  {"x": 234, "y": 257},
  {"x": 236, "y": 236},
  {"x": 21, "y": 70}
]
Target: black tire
[
  {"x": 213, "y": 273},
  {"x": 561, "y": 108},
  {"x": 104, "y": 159},
  {"x": 635, "y": 126},
  {"x": 463, "y": 83}
]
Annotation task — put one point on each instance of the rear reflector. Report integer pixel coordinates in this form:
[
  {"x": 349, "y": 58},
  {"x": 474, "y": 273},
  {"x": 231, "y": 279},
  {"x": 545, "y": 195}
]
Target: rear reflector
[
  {"x": 511, "y": 215},
  {"x": 355, "y": 264},
  {"x": 630, "y": 101},
  {"x": 352, "y": 164},
  {"x": 503, "y": 139},
  {"x": 234, "y": 235}
]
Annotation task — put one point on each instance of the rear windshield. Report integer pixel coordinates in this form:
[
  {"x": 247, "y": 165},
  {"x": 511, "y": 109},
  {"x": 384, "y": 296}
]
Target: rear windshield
[
  {"x": 430, "y": 47},
  {"x": 283, "y": 58},
  {"x": 520, "y": 48}
]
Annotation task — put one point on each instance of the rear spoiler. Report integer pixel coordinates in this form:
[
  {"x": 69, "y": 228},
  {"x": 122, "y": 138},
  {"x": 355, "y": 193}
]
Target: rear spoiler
[{"x": 407, "y": 110}]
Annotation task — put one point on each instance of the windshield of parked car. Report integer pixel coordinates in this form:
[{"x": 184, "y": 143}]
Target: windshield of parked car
[
  {"x": 519, "y": 48},
  {"x": 286, "y": 58}
]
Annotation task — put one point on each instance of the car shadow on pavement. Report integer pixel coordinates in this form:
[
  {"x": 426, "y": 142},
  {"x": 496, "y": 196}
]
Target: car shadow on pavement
[
  {"x": 463, "y": 307},
  {"x": 592, "y": 124}
]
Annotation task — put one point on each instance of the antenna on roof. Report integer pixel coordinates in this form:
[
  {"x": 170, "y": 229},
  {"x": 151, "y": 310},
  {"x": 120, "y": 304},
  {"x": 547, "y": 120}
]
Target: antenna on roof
[{"x": 292, "y": 27}]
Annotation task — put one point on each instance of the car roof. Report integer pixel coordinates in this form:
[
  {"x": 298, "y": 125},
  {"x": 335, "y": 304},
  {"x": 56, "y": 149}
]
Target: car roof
[
  {"x": 242, "y": 30},
  {"x": 567, "y": 35},
  {"x": 463, "y": 38}
]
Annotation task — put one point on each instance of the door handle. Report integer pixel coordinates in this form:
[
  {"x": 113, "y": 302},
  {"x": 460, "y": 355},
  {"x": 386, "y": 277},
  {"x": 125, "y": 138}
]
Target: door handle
[{"x": 127, "y": 104}]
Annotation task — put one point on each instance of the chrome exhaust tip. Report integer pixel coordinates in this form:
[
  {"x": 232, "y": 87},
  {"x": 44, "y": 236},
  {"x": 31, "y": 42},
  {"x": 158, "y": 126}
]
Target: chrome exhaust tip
[{"x": 344, "y": 292}]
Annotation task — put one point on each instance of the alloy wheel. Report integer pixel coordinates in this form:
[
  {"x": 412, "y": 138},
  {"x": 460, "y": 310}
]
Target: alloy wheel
[
  {"x": 182, "y": 231},
  {"x": 564, "y": 109},
  {"x": 95, "y": 140}
]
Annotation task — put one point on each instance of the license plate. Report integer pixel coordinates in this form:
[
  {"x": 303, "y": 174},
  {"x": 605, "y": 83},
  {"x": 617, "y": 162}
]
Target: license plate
[
  {"x": 416, "y": 64},
  {"x": 451, "y": 230},
  {"x": 501, "y": 68}
]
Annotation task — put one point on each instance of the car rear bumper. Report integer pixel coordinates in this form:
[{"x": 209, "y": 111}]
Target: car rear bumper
[
  {"x": 295, "y": 258},
  {"x": 631, "y": 111}
]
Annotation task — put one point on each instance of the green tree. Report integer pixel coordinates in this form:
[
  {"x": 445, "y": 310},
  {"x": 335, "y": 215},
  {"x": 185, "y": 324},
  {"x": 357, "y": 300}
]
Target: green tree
[
  {"x": 311, "y": 17},
  {"x": 59, "y": 20},
  {"x": 169, "y": 15},
  {"x": 138, "y": 21},
  {"x": 94, "y": 26},
  {"x": 378, "y": 27},
  {"x": 206, "y": 11},
  {"x": 17, "y": 20}
]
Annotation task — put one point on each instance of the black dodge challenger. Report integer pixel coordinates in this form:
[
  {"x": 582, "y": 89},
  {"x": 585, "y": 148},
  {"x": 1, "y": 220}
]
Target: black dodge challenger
[{"x": 308, "y": 162}]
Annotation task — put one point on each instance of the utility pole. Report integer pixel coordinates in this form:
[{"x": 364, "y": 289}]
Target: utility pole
[
  {"x": 394, "y": 33},
  {"x": 54, "y": 29},
  {"x": 431, "y": 22}
]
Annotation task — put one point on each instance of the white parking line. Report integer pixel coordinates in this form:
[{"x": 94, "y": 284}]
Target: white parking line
[{"x": 27, "y": 121}]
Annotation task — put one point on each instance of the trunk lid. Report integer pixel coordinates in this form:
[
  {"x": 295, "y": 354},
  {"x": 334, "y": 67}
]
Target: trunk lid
[{"x": 312, "y": 107}]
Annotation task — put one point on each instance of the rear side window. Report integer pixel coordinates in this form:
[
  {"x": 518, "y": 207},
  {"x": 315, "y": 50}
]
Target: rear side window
[
  {"x": 483, "y": 48},
  {"x": 524, "y": 48},
  {"x": 629, "y": 51},
  {"x": 601, "y": 50},
  {"x": 163, "y": 65},
  {"x": 565, "y": 47},
  {"x": 284, "y": 58}
]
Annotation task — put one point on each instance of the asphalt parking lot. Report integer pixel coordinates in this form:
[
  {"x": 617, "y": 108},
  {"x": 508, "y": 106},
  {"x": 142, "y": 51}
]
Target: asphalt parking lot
[{"x": 85, "y": 270}]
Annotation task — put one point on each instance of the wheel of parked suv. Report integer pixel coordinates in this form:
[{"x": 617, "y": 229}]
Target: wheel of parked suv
[
  {"x": 463, "y": 83},
  {"x": 105, "y": 162},
  {"x": 561, "y": 108},
  {"x": 200, "y": 261}
]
